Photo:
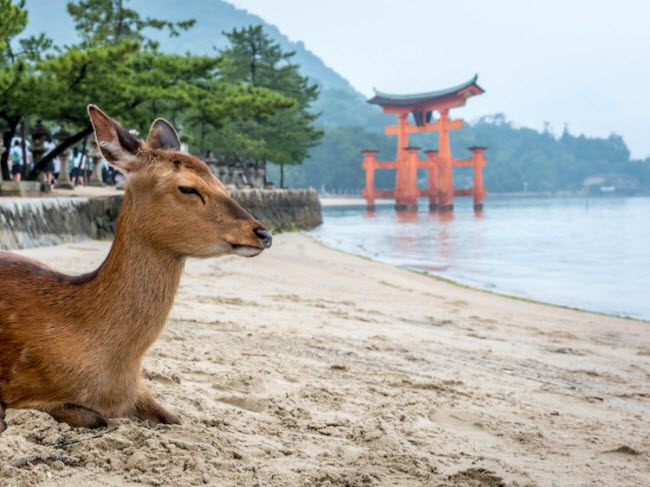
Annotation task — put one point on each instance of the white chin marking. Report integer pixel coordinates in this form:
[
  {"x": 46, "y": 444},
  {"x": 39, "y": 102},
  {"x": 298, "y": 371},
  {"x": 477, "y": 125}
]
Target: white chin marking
[{"x": 246, "y": 251}]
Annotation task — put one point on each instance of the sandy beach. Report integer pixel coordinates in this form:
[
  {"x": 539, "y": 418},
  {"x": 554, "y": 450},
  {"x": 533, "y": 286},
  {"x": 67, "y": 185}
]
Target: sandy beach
[{"x": 310, "y": 367}]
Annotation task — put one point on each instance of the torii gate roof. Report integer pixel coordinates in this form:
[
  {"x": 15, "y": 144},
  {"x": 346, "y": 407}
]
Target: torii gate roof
[{"x": 464, "y": 90}]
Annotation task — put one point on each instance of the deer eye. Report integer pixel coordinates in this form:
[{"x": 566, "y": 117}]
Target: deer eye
[{"x": 191, "y": 190}]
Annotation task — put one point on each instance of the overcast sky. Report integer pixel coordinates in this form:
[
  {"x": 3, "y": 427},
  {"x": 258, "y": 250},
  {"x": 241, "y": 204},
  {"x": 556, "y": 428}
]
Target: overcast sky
[{"x": 581, "y": 62}]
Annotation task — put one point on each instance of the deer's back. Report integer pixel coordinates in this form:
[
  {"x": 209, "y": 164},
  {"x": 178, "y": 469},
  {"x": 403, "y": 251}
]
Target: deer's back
[
  {"x": 26, "y": 285},
  {"x": 33, "y": 316}
]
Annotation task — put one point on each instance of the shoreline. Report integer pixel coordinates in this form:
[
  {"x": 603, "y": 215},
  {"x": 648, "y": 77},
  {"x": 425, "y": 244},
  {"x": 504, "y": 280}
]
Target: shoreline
[
  {"x": 478, "y": 288},
  {"x": 340, "y": 370},
  {"x": 466, "y": 248},
  {"x": 334, "y": 201}
]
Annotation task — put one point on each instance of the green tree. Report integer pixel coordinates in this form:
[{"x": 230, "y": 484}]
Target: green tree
[
  {"x": 100, "y": 69},
  {"x": 116, "y": 67},
  {"x": 110, "y": 22},
  {"x": 188, "y": 88},
  {"x": 20, "y": 84},
  {"x": 285, "y": 137}
]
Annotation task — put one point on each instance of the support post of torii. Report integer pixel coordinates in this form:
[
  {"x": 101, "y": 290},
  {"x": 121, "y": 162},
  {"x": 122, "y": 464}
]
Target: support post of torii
[
  {"x": 439, "y": 164},
  {"x": 478, "y": 191},
  {"x": 370, "y": 164},
  {"x": 432, "y": 188},
  {"x": 406, "y": 187},
  {"x": 445, "y": 160}
]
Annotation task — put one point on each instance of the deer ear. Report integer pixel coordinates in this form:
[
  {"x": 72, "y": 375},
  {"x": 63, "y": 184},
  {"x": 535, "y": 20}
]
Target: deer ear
[
  {"x": 163, "y": 136},
  {"x": 117, "y": 145}
]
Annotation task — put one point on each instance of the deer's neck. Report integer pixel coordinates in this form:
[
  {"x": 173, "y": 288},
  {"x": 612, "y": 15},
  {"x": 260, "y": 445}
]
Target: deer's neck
[{"x": 132, "y": 292}]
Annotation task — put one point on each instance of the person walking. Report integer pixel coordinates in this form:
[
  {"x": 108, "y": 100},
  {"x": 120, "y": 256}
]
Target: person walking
[
  {"x": 48, "y": 170},
  {"x": 16, "y": 156},
  {"x": 76, "y": 174},
  {"x": 57, "y": 168}
]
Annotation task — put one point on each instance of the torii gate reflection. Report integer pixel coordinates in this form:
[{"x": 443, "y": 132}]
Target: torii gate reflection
[{"x": 439, "y": 163}]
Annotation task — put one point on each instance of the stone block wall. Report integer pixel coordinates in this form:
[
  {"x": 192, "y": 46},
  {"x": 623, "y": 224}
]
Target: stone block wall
[
  {"x": 282, "y": 209},
  {"x": 33, "y": 222}
]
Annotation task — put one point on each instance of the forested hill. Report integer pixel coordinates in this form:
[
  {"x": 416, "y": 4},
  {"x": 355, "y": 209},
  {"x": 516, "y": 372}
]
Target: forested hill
[
  {"x": 518, "y": 158},
  {"x": 212, "y": 18},
  {"x": 339, "y": 102}
]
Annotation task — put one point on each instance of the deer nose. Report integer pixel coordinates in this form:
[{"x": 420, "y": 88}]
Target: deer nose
[{"x": 266, "y": 237}]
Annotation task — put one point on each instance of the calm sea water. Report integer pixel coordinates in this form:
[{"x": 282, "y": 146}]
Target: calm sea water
[{"x": 586, "y": 253}]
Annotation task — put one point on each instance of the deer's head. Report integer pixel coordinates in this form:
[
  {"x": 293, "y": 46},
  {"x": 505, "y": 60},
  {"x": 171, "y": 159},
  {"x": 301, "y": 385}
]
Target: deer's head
[{"x": 174, "y": 202}]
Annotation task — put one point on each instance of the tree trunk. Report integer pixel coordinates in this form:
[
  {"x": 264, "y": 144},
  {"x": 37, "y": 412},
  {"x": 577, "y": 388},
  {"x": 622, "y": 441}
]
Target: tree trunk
[
  {"x": 6, "y": 141},
  {"x": 120, "y": 20},
  {"x": 265, "y": 183},
  {"x": 69, "y": 142},
  {"x": 281, "y": 176},
  {"x": 23, "y": 147}
]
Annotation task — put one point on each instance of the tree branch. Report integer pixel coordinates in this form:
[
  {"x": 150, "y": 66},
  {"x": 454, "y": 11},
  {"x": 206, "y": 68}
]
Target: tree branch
[{"x": 82, "y": 75}]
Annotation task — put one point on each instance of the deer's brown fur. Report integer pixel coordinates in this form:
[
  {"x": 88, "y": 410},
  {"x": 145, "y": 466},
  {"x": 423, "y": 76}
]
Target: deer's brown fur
[{"x": 72, "y": 346}]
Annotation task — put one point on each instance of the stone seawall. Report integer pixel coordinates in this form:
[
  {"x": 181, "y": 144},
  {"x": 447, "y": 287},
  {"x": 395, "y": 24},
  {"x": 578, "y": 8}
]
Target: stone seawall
[
  {"x": 34, "y": 222},
  {"x": 282, "y": 210}
]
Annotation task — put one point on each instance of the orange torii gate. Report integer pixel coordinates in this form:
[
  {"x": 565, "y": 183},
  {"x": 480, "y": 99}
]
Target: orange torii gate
[{"x": 440, "y": 163}]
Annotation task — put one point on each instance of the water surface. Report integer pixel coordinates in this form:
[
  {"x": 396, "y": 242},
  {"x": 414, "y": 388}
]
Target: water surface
[{"x": 586, "y": 253}]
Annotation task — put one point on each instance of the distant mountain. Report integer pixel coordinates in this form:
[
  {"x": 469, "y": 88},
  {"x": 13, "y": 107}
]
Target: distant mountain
[{"x": 340, "y": 103}]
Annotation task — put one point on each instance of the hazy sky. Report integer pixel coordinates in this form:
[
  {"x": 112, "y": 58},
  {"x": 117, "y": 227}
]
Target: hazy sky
[{"x": 585, "y": 62}]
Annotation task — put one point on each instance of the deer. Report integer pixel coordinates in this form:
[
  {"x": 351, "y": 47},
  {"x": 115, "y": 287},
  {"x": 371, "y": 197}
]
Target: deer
[{"x": 78, "y": 354}]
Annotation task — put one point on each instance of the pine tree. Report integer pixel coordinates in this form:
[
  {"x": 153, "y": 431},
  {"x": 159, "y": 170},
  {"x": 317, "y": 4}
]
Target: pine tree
[
  {"x": 110, "y": 22},
  {"x": 286, "y": 136},
  {"x": 117, "y": 67},
  {"x": 21, "y": 86}
]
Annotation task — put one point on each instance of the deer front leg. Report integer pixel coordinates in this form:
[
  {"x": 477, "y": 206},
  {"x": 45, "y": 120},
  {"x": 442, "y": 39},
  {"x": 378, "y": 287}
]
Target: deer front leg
[
  {"x": 3, "y": 423},
  {"x": 76, "y": 416},
  {"x": 147, "y": 408}
]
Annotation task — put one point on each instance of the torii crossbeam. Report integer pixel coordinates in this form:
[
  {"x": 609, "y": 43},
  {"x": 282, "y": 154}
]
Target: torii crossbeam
[{"x": 439, "y": 163}]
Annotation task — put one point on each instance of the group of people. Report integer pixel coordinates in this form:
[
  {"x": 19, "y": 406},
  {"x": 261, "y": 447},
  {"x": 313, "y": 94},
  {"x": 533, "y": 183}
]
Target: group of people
[{"x": 21, "y": 162}]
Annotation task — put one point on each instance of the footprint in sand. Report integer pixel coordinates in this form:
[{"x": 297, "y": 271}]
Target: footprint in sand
[
  {"x": 160, "y": 377},
  {"x": 473, "y": 477},
  {"x": 243, "y": 402},
  {"x": 624, "y": 450},
  {"x": 568, "y": 351}
]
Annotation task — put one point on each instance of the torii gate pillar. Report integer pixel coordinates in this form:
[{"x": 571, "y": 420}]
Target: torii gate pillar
[
  {"x": 478, "y": 191},
  {"x": 370, "y": 164},
  {"x": 432, "y": 188},
  {"x": 445, "y": 168}
]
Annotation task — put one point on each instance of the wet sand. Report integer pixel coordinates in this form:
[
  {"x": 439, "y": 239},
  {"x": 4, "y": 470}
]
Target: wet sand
[{"x": 310, "y": 367}]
